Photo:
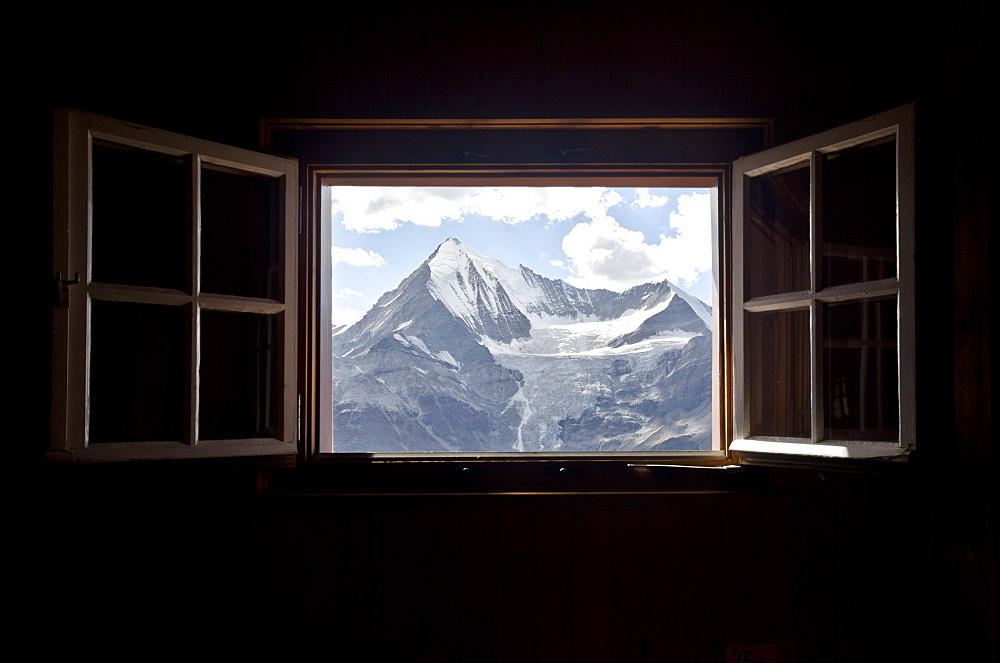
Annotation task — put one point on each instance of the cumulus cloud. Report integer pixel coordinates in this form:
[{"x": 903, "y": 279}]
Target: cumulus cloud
[
  {"x": 604, "y": 254},
  {"x": 345, "y": 293},
  {"x": 643, "y": 198},
  {"x": 356, "y": 257},
  {"x": 373, "y": 209}
]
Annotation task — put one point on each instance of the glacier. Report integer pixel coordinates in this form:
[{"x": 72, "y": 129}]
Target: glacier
[{"x": 468, "y": 354}]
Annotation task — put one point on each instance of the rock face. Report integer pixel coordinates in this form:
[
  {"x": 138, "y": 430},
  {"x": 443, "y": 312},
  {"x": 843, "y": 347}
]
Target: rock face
[{"x": 471, "y": 355}]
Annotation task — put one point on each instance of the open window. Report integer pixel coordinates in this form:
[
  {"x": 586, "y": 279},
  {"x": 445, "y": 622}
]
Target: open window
[
  {"x": 175, "y": 304},
  {"x": 823, "y": 320},
  {"x": 186, "y": 326},
  {"x": 390, "y": 360},
  {"x": 815, "y": 320}
]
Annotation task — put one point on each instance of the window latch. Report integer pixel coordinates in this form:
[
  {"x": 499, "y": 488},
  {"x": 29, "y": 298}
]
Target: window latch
[{"x": 62, "y": 289}]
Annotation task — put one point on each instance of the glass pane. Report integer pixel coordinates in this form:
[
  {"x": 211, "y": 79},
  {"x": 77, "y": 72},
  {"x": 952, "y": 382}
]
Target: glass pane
[
  {"x": 240, "y": 388},
  {"x": 778, "y": 374},
  {"x": 859, "y": 214},
  {"x": 860, "y": 369},
  {"x": 240, "y": 240},
  {"x": 137, "y": 392},
  {"x": 777, "y": 232},
  {"x": 521, "y": 319},
  {"x": 139, "y": 218}
]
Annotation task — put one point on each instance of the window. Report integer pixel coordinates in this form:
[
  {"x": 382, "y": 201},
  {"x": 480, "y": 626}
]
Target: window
[
  {"x": 175, "y": 314},
  {"x": 189, "y": 327},
  {"x": 567, "y": 319},
  {"x": 823, "y": 289},
  {"x": 496, "y": 154}
]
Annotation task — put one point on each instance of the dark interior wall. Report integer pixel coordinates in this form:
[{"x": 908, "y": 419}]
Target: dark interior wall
[
  {"x": 854, "y": 554},
  {"x": 216, "y": 75}
]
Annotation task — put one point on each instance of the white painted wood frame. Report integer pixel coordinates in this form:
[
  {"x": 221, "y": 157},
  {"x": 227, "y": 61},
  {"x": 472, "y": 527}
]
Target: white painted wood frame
[
  {"x": 74, "y": 134},
  {"x": 898, "y": 123}
]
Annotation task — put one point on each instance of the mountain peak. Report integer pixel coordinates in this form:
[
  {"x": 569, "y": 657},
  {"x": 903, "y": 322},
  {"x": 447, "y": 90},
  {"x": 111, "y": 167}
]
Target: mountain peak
[
  {"x": 453, "y": 246},
  {"x": 452, "y": 256},
  {"x": 478, "y": 289}
]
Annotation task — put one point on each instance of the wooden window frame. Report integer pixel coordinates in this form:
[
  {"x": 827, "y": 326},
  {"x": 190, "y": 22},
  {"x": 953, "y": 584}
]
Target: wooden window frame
[
  {"x": 74, "y": 136},
  {"x": 649, "y": 176},
  {"x": 354, "y": 151},
  {"x": 898, "y": 123}
]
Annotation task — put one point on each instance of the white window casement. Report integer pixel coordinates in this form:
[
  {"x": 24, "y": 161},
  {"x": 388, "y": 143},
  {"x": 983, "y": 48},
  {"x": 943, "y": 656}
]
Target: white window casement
[
  {"x": 823, "y": 294},
  {"x": 191, "y": 314},
  {"x": 174, "y": 320}
]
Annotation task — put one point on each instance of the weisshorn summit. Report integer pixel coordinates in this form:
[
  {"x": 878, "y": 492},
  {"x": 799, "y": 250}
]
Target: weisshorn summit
[{"x": 470, "y": 355}]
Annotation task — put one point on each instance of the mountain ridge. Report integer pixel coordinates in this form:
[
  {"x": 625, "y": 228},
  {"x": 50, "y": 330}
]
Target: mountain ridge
[
  {"x": 479, "y": 294},
  {"x": 467, "y": 339}
]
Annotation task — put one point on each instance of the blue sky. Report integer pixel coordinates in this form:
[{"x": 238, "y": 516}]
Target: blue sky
[{"x": 592, "y": 237}]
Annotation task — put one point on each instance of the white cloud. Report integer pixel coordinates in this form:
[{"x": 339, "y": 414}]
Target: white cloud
[
  {"x": 604, "y": 254},
  {"x": 345, "y": 293},
  {"x": 556, "y": 263},
  {"x": 643, "y": 198},
  {"x": 356, "y": 257},
  {"x": 374, "y": 209}
]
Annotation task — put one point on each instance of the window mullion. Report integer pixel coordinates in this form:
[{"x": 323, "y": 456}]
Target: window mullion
[
  {"x": 74, "y": 255},
  {"x": 293, "y": 206},
  {"x": 905, "y": 222},
  {"x": 737, "y": 312},
  {"x": 815, "y": 284},
  {"x": 193, "y": 165},
  {"x": 194, "y": 356}
]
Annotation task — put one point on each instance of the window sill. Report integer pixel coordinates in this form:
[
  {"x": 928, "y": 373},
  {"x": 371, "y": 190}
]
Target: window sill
[
  {"x": 836, "y": 449},
  {"x": 264, "y": 451},
  {"x": 864, "y": 457},
  {"x": 484, "y": 475}
]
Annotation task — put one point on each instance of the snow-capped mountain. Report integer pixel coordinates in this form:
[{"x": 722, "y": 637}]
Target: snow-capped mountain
[{"x": 469, "y": 354}]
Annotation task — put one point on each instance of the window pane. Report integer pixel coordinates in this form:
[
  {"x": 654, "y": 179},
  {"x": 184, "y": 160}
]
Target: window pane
[
  {"x": 139, "y": 218},
  {"x": 861, "y": 394},
  {"x": 136, "y": 390},
  {"x": 240, "y": 244},
  {"x": 778, "y": 373},
  {"x": 240, "y": 375},
  {"x": 777, "y": 232},
  {"x": 521, "y": 319},
  {"x": 859, "y": 214}
]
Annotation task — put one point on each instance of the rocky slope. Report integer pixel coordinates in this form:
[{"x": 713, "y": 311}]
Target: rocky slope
[{"x": 469, "y": 354}]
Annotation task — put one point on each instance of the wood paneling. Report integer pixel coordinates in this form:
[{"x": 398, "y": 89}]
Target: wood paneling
[
  {"x": 585, "y": 578},
  {"x": 832, "y": 569}
]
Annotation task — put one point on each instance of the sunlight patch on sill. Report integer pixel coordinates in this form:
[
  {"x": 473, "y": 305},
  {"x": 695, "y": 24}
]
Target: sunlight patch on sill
[{"x": 823, "y": 449}]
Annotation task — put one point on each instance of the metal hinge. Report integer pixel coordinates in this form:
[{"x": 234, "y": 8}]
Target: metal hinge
[{"x": 62, "y": 289}]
